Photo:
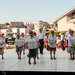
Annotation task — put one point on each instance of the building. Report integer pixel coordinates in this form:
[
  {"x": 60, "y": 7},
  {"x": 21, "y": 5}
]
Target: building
[
  {"x": 3, "y": 26},
  {"x": 18, "y": 24},
  {"x": 66, "y": 21}
]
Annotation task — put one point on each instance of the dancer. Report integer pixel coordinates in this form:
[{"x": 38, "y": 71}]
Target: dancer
[
  {"x": 71, "y": 45},
  {"x": 32, "y": 45},
  {"x": 2, "y": 42},
  {"x": 19, "y": 44},
  {"x": 24, "y": 39},
  {"x": 52, "y": 44},
  {"x": 41, "y": 37},
  {"x": 37, "y": 45}
]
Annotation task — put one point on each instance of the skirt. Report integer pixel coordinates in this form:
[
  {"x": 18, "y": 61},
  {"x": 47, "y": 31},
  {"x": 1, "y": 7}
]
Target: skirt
[
  {"x": 32, "y": 53},
  {"x": 50, "y": 49},
  {"x": 18, "y": 49},
  {"x": 1, "y": 51},
  {"x": 71, "y": 49},
  {"x": 24, "y": 46}
]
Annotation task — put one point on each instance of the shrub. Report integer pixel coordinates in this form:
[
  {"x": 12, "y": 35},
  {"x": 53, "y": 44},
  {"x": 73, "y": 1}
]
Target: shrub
[{"x": 57, "y": 33}]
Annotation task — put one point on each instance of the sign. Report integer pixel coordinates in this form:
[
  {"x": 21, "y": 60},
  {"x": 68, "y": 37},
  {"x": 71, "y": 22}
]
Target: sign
[
  {"x": 22, "y": 30},
  {"x": 14, "y": 30},
  {"x": 37, "y": 26}
]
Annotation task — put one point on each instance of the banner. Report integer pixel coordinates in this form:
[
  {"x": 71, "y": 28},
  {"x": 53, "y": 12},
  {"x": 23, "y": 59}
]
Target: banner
[
  {"x": 22, "y": 30},
  {"x": 37, "y": 26}
]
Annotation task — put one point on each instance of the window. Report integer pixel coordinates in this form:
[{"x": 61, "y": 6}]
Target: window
[{"x": 73, "y": 15}]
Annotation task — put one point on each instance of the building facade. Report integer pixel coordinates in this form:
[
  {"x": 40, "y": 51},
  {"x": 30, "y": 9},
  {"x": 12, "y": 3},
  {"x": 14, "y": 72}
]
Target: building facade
[{"x": 66, "y": 21}]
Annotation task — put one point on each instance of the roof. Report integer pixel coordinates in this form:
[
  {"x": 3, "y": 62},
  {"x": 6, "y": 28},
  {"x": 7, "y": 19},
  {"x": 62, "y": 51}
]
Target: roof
[
  {"x": 18, "y": 24},
  {"x": 3, "y": 26},
  {"x": 65, "y": 14}
]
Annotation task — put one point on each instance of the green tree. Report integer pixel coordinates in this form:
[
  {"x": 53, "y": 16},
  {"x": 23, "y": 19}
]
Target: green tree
[{"x": 7, "y": 24}]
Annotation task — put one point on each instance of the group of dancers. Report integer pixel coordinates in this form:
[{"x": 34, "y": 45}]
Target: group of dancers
[{"x": 35, "y": 41}]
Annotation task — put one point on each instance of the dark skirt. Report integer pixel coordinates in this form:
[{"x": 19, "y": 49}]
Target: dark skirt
[
  {"x": 32, "y": 53},
  {"x": 51, "y": 49},
  {"x": 18, "y": 49}
]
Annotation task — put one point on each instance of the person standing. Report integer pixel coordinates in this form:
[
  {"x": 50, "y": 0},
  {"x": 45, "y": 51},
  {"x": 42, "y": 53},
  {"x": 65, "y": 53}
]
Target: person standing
[
  {"x": 24, "y": 40},
  {"x": 52, "y": 44},
  {"x": 14, "y": 36},
  {"x": 62, "y": 41},
  {"x": 19, "y": 44},
  {"x": 41, "y": 37},
  {"x": 2, "y": 42},
  {"x": 37, "y": 45},
  {"x": 71, "y": 45},
  {"x": 31, "y": 44},
  {"x": 67, "y": 35}
]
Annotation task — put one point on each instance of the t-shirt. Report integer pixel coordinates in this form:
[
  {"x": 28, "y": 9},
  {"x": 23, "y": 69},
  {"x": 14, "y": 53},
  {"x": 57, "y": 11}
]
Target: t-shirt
[
  {"x": 2, "y": 41},
  {"x": 19, "y": 42},
  {"x": 24, "y": 39},
  {"x": 32, "y": 42}
]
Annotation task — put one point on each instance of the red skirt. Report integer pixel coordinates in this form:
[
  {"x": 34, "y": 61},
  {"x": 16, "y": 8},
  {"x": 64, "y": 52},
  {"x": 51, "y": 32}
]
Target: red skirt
[
  {"x": 1, "y": 51},
  {"x": 51, "y": 49},
  {"x": 24, "y": 46}
]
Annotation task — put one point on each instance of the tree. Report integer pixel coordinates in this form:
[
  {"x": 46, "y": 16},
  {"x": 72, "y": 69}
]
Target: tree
[{"x": 7, "y": 24}]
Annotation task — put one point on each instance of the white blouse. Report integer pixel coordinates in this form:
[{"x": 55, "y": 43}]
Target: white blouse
[
  {"x": 32, "y": 42},
  {"x": 24, "y": 39},
  {"x": 19, "y": 42},
  {"x": 2, "y": 41},
  {"x": 52, "y": 40},
  {"x": 71, "y": 40}
]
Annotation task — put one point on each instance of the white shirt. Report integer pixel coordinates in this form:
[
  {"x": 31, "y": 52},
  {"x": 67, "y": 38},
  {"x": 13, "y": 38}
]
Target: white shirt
[
  {"x": 24, "y": 39},
  {"x": 71, "y": 40},
  {"x": 67, "y": 35},
  {"x": 2, "y": 41},
  {"x": 37, "y": 40},
  {"x": 32, "y": 42},
  {"x": 19, "y": 42},
  {"x": 41, "y": 35},
  {"x": 62, "y": 37},
  {"x": 52, "y": 40}
]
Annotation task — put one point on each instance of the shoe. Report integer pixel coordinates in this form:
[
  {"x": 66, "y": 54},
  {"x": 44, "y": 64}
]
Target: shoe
[
  {"x": 54, "y": 58},
  {"x": 42, "y": 53},
  {"x": 29, "y": 62},
  {"x": 2, "y": 58},
  {"x": 72, "y": 58},
  {"x": 37, "y": 57},
  {"x": 51, "y": 58},
  {"x": 19, "y": 57},
  {"x": 34, "y": 62}
]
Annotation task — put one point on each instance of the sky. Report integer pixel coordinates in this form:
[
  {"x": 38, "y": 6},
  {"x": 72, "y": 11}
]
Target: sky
[{"x": 33, "y": 10}]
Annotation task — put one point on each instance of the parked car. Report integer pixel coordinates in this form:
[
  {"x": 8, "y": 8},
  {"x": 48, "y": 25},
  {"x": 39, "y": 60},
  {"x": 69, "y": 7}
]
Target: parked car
[{"x": 9, "y": 38}]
